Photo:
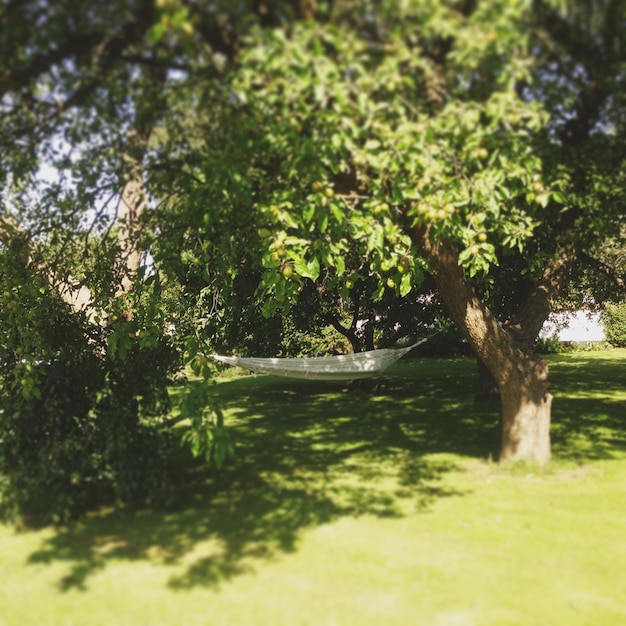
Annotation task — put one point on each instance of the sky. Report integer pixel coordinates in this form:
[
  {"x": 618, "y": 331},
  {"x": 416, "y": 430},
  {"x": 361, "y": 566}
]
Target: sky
[{"x": 575, "y": 326}]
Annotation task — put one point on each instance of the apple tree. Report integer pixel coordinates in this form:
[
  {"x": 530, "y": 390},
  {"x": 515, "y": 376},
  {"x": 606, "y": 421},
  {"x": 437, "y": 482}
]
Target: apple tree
[{"x": 473, "y": 141}]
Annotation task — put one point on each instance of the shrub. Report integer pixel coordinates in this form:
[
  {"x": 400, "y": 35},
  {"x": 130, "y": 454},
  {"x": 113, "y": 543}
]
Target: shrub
[
  {"x": 78, "y": 403},
  {"x": 551, "y": 345},
  {"x": 444, "y": 344},
  {"x": 614, "y": 319}
]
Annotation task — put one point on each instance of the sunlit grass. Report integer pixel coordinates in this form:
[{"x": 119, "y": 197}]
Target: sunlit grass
[{"x": 377, "y": 505}]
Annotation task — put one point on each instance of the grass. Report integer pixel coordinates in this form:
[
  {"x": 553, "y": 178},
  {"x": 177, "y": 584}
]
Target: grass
[{"x": 377, "y": 505}]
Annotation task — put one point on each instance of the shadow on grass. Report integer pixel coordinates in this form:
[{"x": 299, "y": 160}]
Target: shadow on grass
[
  {"x": 308, "y": 454},
  {"x": 589, "y": 410}
]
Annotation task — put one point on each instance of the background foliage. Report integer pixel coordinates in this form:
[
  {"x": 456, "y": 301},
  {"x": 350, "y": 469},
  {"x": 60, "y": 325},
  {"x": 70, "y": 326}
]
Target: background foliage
[{"x": 614, "y": 320}]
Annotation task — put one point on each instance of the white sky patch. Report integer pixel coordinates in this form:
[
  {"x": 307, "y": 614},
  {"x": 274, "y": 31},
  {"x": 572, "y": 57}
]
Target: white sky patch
[{"x": 575, "y": 326}]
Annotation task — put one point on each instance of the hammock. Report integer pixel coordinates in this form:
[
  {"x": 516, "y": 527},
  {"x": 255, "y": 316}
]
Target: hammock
[{"x": 340, "y": 367}]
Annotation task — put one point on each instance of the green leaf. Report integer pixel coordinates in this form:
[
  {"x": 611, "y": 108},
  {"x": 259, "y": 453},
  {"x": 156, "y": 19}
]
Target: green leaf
[
  {"x": 337, "y": 212},
  {"x": 405, "y": 285},
  {"x": 310, "y": 269},
  {"x": 269, "y": 308}
]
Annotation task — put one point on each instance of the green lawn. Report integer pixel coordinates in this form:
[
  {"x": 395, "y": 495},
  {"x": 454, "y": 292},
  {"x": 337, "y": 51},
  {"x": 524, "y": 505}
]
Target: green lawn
[{"x": 376, "y": 505}]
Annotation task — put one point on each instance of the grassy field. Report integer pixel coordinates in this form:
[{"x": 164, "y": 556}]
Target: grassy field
[{"x": 377, "y": 505}]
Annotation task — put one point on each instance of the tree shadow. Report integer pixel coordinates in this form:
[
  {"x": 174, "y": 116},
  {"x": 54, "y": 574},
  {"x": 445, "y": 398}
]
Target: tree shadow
[
  {"x": 308, "y": 454},
  {"x": 588, "y": 429},
  {"x": 588, "y": 413}
]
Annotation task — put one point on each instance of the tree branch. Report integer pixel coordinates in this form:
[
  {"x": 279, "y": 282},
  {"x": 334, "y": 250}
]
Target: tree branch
[
  {"x": 101, "y": 49},
  {"x": 491, "y": 343},
  {"x": 348, "y": 333},
  {"x": 20, "y": 77},
  {"x": 526, "y": 324},
  {"x": 604, "y": 269}
]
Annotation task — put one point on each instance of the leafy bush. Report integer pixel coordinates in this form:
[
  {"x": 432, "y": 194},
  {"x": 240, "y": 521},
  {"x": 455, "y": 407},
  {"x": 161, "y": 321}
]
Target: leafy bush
[
  {"x": 614, "y": 319},
  {"x": 313, "y": 342},
  {"x": 78, "y": 403},
  {"x": 444, "y": 344},
  {"x": 551, "y": 345}
]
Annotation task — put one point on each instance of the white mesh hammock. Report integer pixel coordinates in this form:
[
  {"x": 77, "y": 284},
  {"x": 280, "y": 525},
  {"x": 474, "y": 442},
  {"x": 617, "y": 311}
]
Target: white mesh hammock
[{"x": 340, "y": 367}]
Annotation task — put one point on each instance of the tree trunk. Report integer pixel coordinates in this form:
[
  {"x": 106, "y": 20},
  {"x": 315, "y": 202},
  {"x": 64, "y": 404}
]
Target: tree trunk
[
  {"x": 526, "y": 406},
  {"x": 133, "y": 205},
  {"x": 522, "y": 379},
  {"x": 487, "y": 385},
  {"x": 133, "y": 202}
]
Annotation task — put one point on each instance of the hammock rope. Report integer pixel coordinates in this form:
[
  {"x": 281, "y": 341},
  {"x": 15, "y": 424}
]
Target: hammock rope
[{"x": 339, "y": 367}]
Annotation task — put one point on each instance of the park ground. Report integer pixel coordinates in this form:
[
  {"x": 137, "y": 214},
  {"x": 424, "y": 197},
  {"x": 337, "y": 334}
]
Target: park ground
[{"x": 374, "y": 505}]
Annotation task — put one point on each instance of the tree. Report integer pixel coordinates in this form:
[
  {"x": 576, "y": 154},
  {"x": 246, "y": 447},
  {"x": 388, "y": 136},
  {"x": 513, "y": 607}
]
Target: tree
[{"x": 479, "y": 138}]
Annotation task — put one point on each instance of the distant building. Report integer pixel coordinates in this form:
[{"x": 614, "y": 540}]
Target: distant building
[{"x": 574, "y": 327}]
